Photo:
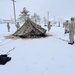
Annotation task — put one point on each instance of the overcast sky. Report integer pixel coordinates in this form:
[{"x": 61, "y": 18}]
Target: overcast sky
[{"x": 57, "y": 8}]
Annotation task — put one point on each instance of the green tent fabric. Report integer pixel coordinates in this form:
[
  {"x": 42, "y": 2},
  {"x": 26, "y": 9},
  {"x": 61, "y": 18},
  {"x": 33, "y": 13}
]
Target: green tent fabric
[{"x": 30, "y": 30}]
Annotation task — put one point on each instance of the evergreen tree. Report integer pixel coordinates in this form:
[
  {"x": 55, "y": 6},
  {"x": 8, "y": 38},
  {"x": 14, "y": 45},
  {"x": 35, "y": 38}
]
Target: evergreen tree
[{"x": 24, "y": 14}]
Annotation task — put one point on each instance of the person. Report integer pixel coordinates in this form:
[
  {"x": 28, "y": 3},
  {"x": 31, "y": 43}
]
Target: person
[
  {"x": 8, "y": 27},
  {"x": 49, "y": 26},
  {"x": 63, "y": 24},
  {"x": 66, "y": 25},
  {"x": 17, "y": 25},
  {"x": 71, "y": 31},
  {"x": 59, "y": 24}
]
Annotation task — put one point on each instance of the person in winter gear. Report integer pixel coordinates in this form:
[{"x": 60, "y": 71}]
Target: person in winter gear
[
  {"x": 66, "y": 25},
  {"x": 71, "y": 31},
  {"x": 8, "y": 27},
  {"x": 17, "y": 25},
  {"x": 49, "y": 26},
  {"x": 58, "y": 24}
]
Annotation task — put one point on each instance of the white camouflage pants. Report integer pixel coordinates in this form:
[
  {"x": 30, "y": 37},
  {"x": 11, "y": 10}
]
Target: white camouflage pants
[{"x": 71, "y": 37}]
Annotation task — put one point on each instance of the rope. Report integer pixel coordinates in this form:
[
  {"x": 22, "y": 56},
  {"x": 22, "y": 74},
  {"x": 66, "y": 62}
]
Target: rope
[{"x": 6, "y": 43}]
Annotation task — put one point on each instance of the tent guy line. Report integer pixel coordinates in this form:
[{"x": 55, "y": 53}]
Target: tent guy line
[{"x": 6, "y": 43}]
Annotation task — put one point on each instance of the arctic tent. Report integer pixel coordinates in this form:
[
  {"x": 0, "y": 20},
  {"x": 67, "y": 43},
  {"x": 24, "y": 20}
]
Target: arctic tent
[{"x": 30, "y": 30}]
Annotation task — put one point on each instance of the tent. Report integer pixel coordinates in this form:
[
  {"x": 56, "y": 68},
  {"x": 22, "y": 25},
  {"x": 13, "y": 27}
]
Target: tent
[{"x": 30, "y": 30}]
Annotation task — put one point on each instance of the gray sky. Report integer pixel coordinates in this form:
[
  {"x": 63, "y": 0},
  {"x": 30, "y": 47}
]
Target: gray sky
[{"x": 57, "y": 8}]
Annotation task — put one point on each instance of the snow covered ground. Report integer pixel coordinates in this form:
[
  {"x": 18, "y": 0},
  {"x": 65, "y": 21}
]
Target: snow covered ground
[{"x": 44, "y": 56}]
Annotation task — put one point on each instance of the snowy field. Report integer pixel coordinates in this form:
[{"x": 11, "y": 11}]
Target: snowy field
[{"x": 44, "y": 56}]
